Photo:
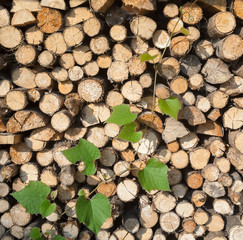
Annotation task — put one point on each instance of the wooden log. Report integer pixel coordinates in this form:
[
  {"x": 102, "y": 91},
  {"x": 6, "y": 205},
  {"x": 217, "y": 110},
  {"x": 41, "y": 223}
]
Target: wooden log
[
  {"x": 223, "y": 164},
  {"x": 48, "y": 226},
  {"x": 171, "y": 10},
  {"x": 75, "y": 133},
  {"x": 200, "y": 217},
  {"x": 164, "y": 202},
  {"x": 169, "y": 222},
  {"x": 179, "y": 159},
  {"x": 114, "y": 98},
  {"x": 118, "y": 71},
  {"x": 204, "y": 49},
  {"x": 19, "y": 215},
  {"x": 11, "y": 102},
  {"x": 9, "y": 171},
  {"x": 6, "y": 220},
  {"x": 233, "y": 86},
  {"x": 135, "y": 66},
  {"x": 210, "y": 128},
  {"x": 73, "y": 36},
  {"x": 4, "y": 157},
  {"x": 169, "y": 68},
  {"x": 18, "y": 184},
  {"x": 121, "y": 233},
  {"x": 17, "y": 232},
  {"x": 179, "y": 85},
  {"x": 189, "y": 226},
  {"x": 75, "y": 73},
  {"x": 20, "y": 153},
  {"x": 179, "y": 190},
  {"x": 191, "y": 13},
  {"x": 179, "y": 46},
  {"x": 130, "y": 222},
  {"x": 162, "y": 91},
  {"x": 194, "y": 34},
  {"x": 215, "y": 223},
  {"x": 34, "y": 36},
  {"x": 6, "y": 85},
  {"x": 66, "y": 176},
  {"x": 56, "y": 44},
  {"x": 92, "y": 26},
  {"x": 210, "y": 172},
  {"x": 214, "y": 114},
  {"x": 96, "y": 135},
  {"x": 59, "y": 158},
  {"x": 184, "y": 209},
  {"x": 46, "y": 59},
  {"x": 111, "y": 130},
  {"x": 4, "y": 190},
  {"x": 216, "y": 146},
  {"x": 235, "y": 158},
  {"x": 214, "y": 189},
  {"x": 221, "y": 24},
  {"x": 127, "y": 195},
  {"x": 119, "y": 144},
  {"x": 174, "y": 25},
  {"x": 29, "y": 172},
  {"x": 161, "y": 39},
  {"x": 132, "y": 91},
  {"x": 144, "y": 233},
  {"x": 118, "y": 33},
  {"x": 223, "y": 206},
  {"x": 189, "y": 141},
  {"x": 73, "y": 103},
  {"x": 218, "y": 99},
  {"x": 44, "y": 157},
  {"x": 199, "y": 198},
  {"x": 194, "y": 180},
  {"x": 59, "y": 74},
  {"x": 139, "y": 45},
  {"x": 60, "y": 4},
  {"x": 61, "y": 120},
  {"x": 236, "y": 8},
  {"x": 104, "y": 61},
  {"x": 5, "y": 17},
  {"x": 143, "y": 27},
  {"x": 235, "y": 139},
  {"x": 91, "y": 90},
  {"x": 34, "y": 94},
  {"x": 91, "y": 68},
  {"x": 66, "y": 193},
  {"x": 23, "y": 77},
  {"x": 99, "y": 44},
  {"x": 145, "y": 80},
  {"x": 196, "y": 81},
  {"x": 188, "y": 98},
  {"x": 67, "y": 61},
  {"x": 190, "y": 65},
  {"x": 22, "y": 18},
  {"x": 199, "y": 158},
  {"x": 26, "y": 55},
  {"x": 101, "y": 6},
  {"x": 35, "y": 145},
  {"x": 6, "y": 37},
  {"x": 229, "y": 48},
  {"x": 231, "y": 118}
]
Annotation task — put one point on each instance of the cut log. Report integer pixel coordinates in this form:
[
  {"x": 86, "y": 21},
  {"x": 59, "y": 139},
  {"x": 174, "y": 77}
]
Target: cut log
[
  {"x": 139, "y": 45},
  {"x": 174, "y": 25},
  {"x": 179, "y": 159},
  {"x": 139, "y": 7},
  {"x": 214, "y": 115},
  {"x": 66, "y": 176},
  {"x": 60, "y": 4},
  {"x": 111, "y": 130},
  {"x": 233, "y": 87},
  {"x": 118, "y": 71},
  {"x": 210, "y": 172},
  {"x": 232, "y": 118},
  {"x": 46, "y": 59},
  {"x": 188, "y": 98},
  {"x": 127, "y": 190},
  {"x": 200, "y": 217},
  {"x": 213, "y": 189},
  {"x": 34, "y": 94},
  {"x": 162, "y": 91},
  {"x": 99, "y": 44},
  {"x": 191, "y": 13},
  {"x": 35, "y": 145},
  {"x": 75, "y": 133},
  {"x": 236, "y": 159},
  {"x": 114, "y": 98},
  {"x": 6, "y": 37},
  {"x": 223, "y": 164},
  {"x": 184, "y": 209},
  {"x": 118, "y": 33},
  {"x": 6, "y": 86},
  {"x": 235, "y": 139},
  {"x": 169, "y": 222},
  {"x": 189, "y": 226},
  {"x": 179, "y": 190},
  {"x": 56, "y": 44},
  {"x": 179, "y": 85},
  {"x": 190, "y": 65},
  {"x": 59, "y": 74},
  {"x": 119, "y": 144},
  {"x": 96, "y": 135},
  {"x": 34, "y": 36},
  {"x": 169, "y": 68},
  {"x": 216, "y": 146},
  {"x": 135, "y": 66},
  {"x": 5, "y": 17},
  {"x": 171, "y": 10},
  {"x": 199, "y": 158},
  {"x": 221, "y": 24},
  {"x": 161, "y": 38},
  {"x": 196, "y": 81},
  {"x": 164, "y": 202},
  {"x": 179, "y": 46},
  {"x": 145, "y": 80},
  {"x": 76, "y": 73},
  {"x": 236, "y": 7},
  {"x": 65, "y": 87},
  {"x": 9, "y": 171},
  {"x": 204, "y": 49},
  {"x": 194, "y": 180},
  {"x": 210, "y": 128},
  {"x": 22, "y": 18},
  {"x": 101, "y": 6},
  {"x": 194, "y": 34},
  {"x": 215, "y": 223},
  {"x": 6, "y": 221},
  {"x": 67, "y": 61},
  {"x": 49, "y": 20},
  {"x": 218, "y": 99},
  {"x": 91, "y": 90},
  {"x": 16, "y": 100},
  {"x": 70, "y": 229},
  {"x": 29, "y": 172},
  {"x": 132, "y": 91},
  {"x": 199, "y": 198},
  {"x": 143, "y": 27},
  {"x": 20, "y": 153},
  {"x": 91, "y": 68},
  {"x": 222, "y": 206},
  {"x": 19, "y": 215},
  {"x": 44, "y": 157},
  {"x": 59, "y": 158},
  {"x": 73, "y": 103},
  {"x": 92, "y": 26},
  {"x": 104, "y": 61},
  {"x": 61, "y": 120},
  {"x": 189, "y": 141},
  {"x": 121, "y": 233}
]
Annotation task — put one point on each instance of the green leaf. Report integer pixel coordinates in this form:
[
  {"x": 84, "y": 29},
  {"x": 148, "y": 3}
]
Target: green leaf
[
  {"x": 184, "y": 31},
  {"x": 145, "y": 57},
  {"x": 32, "y": 196},
  {"x": 59, "y": 237},
  {"x": 35, "y": 234},
  {"x": 93, "y": 213},
  {"x": 121, "y": 115},
  {"x": 128, "y": 133},
  {"x": 47, "y": 208},
  {"x": 170, "y": 106},
  {"x": 154, "y": 176},
  {"x": 86, "y": 152}
]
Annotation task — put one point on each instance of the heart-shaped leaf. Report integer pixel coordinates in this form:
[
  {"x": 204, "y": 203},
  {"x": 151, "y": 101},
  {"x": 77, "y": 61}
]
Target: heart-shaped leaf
[
  {"x": 47, "y": 208},
  {"x": 145, "y": 57},
  {"x": 170, "y": 106},
  {"x": 128, "y": 133}
]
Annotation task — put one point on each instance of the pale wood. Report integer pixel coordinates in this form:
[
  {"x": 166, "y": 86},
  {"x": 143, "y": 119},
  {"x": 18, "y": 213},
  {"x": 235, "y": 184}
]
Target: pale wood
[
  {"x": 236, "y": 7},
  {"x": 238, "y": 102},
  {"x": 184, "y": 209},
  {"x": 193, "y": 115},
  {"x": 91, "y": 68},
  {"x": 33, "y": 5},
  {"x": 195, "y": 81},
  {"x": 179, "y": 159},
  {"x": 66, "y": 193},
  {"x": 75, "y": 3},
  {"x": 29, "y": 172},
  {"x": 61, "y": 120},
  {"x": 174, "y": 25},
  {"x": 189, "y": 226},
  {"x": 47, "y": 226},
  {"x": 34, "y": 36},
  {"x": 214, "y": 6},
  {"x": 146, "y": 80},
  {"x": 214, "y": 115},
  {"x": 214, "y": 189},
  {"x": 59, "y": 158},
  {"x": 102, "y": 234},
  {"x": 104, "y": 61},
  {"x": 20, "y": 153},
  {"x": 139, "y": 7},
  {"x": 73, "y": 103},
  {"x": 91, "y": 90},
  {"x": 93, "y": 180},
  {"x": 210, "y": 128},
  {"x": 67, "y": 61},
  {"x": 75, "y": 133},
  {"x": 118, "y": 71},
  {"x": 114, "y": 98},
  {"x": 189, "y": 141},
  {"x": 221, "y": 24},
  {"x": 19, "y": 215},
  {"x": 121, "y": 168},
  {"x": 112, "y": 130},
  {"x": 199, "y": 198},
  {"x": 121, "y": 52},
  {"x": 23, "y": 77},
  {"x": 44, "y": 157},
  {"x": 161, "y": 38},
  {"x": 132, "y": 91},
  {"x": 66, "y": 176},
  {"x": 46, "y": 59},
  {"x": 235, "y": 232},
  {"x": 6, "y": 37},
  {"x": 59, "y": 74},
  {"x": 233, "y": 86},
  {"x": 223, "y": 206},
  {"x": 194, "y": 34},
  {"x": 188, "y": 98},
  {"x": 9, "y": 171},
  {"x": 139, "y": 45},
  {"x": 65, "y": 87},
  {"x": 223, "y": 164},
  {"x": 127, "y": 195},
  {"x": 22, "y": 18},
  {"x": 51, "y": 103},
  {"x": 190, "y": 65},
  {"x": 49, "y": 20},
  {"x": 216, "y": 223},
  {"x": 210, "y": 172},
  {"x": 5, "y": 17},
  {"x": 4, "y": 157},
  {"x": 73, "y": 36},
  {"x": 78, "y": 15},
  {"x": 162, "y": 91},
  {"x": 60, "y": 4},
  {"x": 76, "y": 73},
  {"x": 235, "y": 158},
  {"x": 121, "y": 233},
  {"x": 55, "y": 215},
  {"x": 179, "y": 190},
  {"x": 204, "y": 49},
  {"x": 144, "y": 233},
  {"x": 164, "y": 202},
  {"x": 101, "y": 6},
  {"x": 96, "y": 135},
  {"x": 99, "y": 44},
  {"x": 118, "y": 33},
  {"x": 203, "y": 103},
  {"x": 235, "y": 140},
  {"x": 92, "y": 26},
  {"x": 128, "y": 155},
  {"x": 34, "y": 94},
  {"x": 109, "y": 190},
  {"x": 191, "y": 13},
  {"x": 143, "y": 27},
  {"x": 17, "y": 231},
  {"x": 18, "y": 184},
  {"x": 56, "y": 44},
  {"x": 231, "y": 118},
  {"x": 148, "y": 217},
  {"x": 171, "y": 10},
  {"x": 216, "y": 146},
  {"x": 179, "y": 46},
  {"x": 119, "y": 144},
  {"x": 169, "y": 222},
  {"x": 4, "y": 190},
  {"x": 70, "y": 229},
  {"x": 5, "y": 84},
  {"x": 194, "y": 179},
  {"x": 35, "y": 145},
  {"x": 218, "y": 99},
  {"x": 199, "y": 158},
  {"x": 169, "y": 68},
  {"x": 6, "y": 220},
  {"x": 179, "y": 85},
  {"x": 200, "y": 217},
  {"x": 229, "y": 48},
  {"x": 186, "y": 236},
  {"x": 169, "y": 134},
  {"x": 16, "y": 100}
]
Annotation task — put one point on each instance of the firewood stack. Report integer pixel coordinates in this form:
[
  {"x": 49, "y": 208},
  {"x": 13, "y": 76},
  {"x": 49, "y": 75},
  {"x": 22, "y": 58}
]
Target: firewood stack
[{"x": 65, "y": 64}]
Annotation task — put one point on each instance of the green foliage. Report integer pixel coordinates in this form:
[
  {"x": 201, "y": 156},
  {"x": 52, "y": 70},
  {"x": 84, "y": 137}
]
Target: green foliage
[
  {"x": 85, "y": 152},
  {"x": 154, "y": 176},
  {"x": 170, "y": 106},
  {"x": 128, "y": 133},
  {"x": 47, "y": 208},
  {"x": 35, "y": 234},
  {"x": 145, "y": 57},
  {"x": 58, "y": 237},
  {"x": 93, "y": 212},
  {"x": 33, "y": 196},
  {"x": 121, "y": 115},
  {"x": 184, "y": 31}
]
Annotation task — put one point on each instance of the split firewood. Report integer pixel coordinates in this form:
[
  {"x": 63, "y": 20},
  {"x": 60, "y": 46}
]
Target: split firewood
[
  {"x": 179, "y": 46},
  {"x": 5, "y": 17},
  {"x": 56, "y": 44},
  {"x": 139, "y": 7},
  {"x": 60, "y": 4},
  {"x": 22, "y": 18},
  {"x": 139, "y": 45},
  {"x": 232, "y": 118},
  {"x": 236, "y": 8}
]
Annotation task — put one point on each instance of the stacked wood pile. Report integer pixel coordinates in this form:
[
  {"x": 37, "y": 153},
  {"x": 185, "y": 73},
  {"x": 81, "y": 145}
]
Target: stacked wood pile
[{"x": 65, "y": 64}]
